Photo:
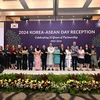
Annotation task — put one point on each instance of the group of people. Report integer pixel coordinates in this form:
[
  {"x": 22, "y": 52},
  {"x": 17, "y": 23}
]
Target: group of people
[{"x": 49, "y": 58}]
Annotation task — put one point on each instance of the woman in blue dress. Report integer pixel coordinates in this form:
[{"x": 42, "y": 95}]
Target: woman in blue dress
[{"x": 56, "y": 57}]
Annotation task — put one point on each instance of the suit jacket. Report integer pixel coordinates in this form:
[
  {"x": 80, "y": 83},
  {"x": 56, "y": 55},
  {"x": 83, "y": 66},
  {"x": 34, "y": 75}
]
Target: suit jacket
[
  {"x": 62, "y": 56},
  {"x": 44, "y": 55}
]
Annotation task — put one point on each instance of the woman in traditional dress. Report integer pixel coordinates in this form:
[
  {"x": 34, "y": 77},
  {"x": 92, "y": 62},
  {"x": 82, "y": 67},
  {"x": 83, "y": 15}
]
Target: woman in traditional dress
[
  {"x": 50, "y": 56},
  {"x": 37, "y": 58},
  {"x": 56, "y": 58}
]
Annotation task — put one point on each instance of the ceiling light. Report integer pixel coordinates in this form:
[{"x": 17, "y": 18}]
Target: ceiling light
[
  {"x": 73, "y": 20},
  {"x": 73, "y": 16},
  {"x": 39, "y": 21},
  {"x": 87, "y": 21},
  {"x": 98, "y": 11},
  {"x": 26, "y": 20},
  {"x": 61, "y": 21},
  {"x": 50, "y": 20},
  {"x": 12, "y": 13}
]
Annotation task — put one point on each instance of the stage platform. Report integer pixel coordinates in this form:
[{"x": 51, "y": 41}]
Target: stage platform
[{"x": 9, "y": 71}]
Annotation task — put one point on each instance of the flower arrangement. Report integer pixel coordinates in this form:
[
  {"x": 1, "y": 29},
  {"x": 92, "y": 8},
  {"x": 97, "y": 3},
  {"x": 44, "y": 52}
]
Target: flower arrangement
[{"x": 80, "y": 83}]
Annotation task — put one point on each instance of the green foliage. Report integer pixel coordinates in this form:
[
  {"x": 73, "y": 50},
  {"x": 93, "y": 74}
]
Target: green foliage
[
  {"x": 58, "y": 78},
  {"x": 69, "y": 83},
  {"x": 86, "y": 77},
  {"x": 31, "y": 77},
  {"x": 37, "y": 77},
  {"x": 52, "y": 77},
  {"x": 7, "y": 76}
]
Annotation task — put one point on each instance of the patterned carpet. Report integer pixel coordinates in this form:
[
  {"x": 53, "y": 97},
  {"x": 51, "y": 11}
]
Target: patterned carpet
[{"x": 46, "y": 96}]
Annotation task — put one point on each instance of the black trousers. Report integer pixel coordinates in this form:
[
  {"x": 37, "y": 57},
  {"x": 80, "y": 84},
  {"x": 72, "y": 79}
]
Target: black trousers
[
  {"x": 62, "y": 61},
  {"x": 74, "y": 62},
  {"x": 7, "y": 62},
  {"x": 30, "y": 63},
  {"x": 44, "y": 66},
  {"x": 19, "y": 63},
  {"x": 1, "y": 61},
  {"x": 1, "y": 68},
  {"x": 99, "y": 64},
  {"x": 24, "y": 62}
]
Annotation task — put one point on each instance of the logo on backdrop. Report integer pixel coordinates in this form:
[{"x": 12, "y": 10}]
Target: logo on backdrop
[
  {"x": 14, "y": 25},
  {"x": 98, "y": 24}
]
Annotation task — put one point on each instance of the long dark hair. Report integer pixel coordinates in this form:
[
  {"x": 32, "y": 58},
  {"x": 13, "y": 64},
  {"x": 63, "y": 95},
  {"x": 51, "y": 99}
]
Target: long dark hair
[
  {"x": 37, "y": 48},
  {"x": 24, "y": 47}
]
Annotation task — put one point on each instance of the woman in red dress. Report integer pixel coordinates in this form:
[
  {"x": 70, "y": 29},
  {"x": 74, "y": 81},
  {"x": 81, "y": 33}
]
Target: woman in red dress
[{"x": 13, "y": 56}]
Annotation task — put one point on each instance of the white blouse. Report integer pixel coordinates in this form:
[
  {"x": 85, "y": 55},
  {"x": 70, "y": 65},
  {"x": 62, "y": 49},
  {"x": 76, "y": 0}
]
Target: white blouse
[{"x": 68, "y": 54}]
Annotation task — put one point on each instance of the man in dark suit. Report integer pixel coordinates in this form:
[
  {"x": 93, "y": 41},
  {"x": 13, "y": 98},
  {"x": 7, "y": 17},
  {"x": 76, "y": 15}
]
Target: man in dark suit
[
  {"x": 31, "y": 57},
  {"x": 62, "y": 57},
  {"x": 74, "y": 49},
  {"x": 44, "y": 57}
]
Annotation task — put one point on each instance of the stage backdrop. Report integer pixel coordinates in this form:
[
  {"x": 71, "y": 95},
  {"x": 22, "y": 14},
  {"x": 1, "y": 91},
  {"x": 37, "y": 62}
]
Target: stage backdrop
[{"x": 57, "y": 32}]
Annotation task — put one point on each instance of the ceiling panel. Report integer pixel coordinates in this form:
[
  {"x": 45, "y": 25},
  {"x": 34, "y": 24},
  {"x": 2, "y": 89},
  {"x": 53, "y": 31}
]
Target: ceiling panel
[
  {"x": 39, "y": 3},
  {"x": 20, "y": 13},
  {"x": 95, "y": 4},
  {"x": 10, "y": 4},
  {"x": 54, "y": 8},
  {"x": 71, "y": 3},
  {"x": 9, "y": 0}
]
